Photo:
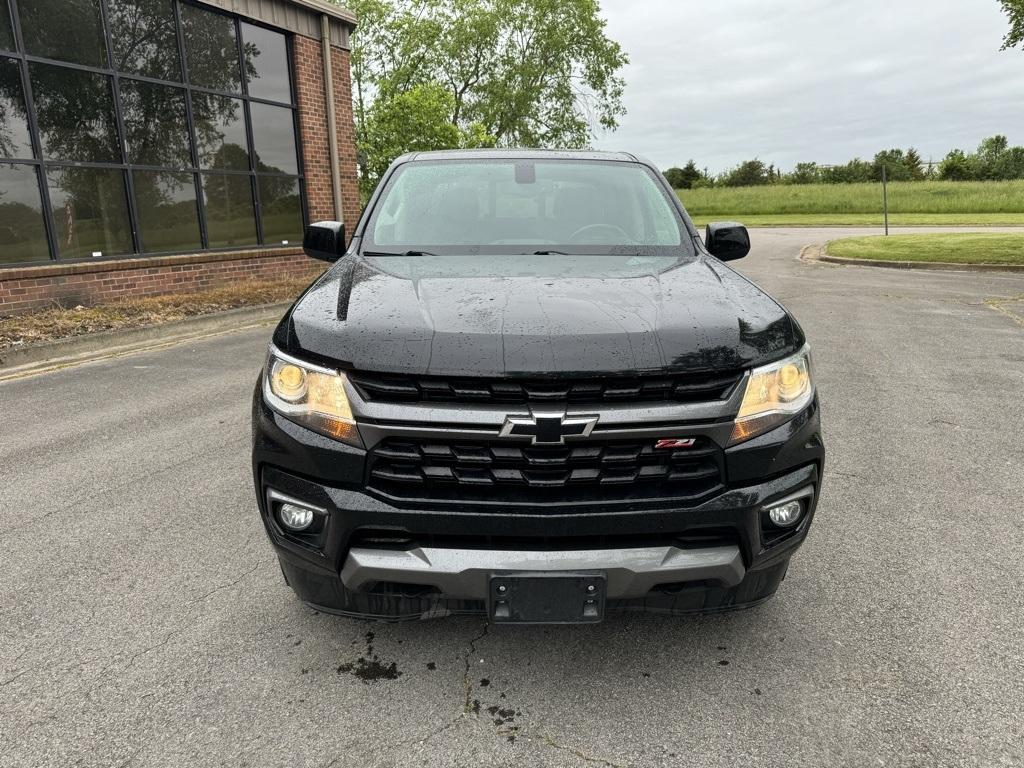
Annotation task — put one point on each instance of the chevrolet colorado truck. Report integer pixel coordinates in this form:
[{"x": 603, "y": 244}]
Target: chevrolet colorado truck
[{"x": 528, "y": 389}]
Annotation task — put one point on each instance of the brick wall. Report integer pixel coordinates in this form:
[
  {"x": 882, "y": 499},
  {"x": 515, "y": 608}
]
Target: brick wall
[
  {"x": 23, "y": 289},
  {"x": 346, "y": 137},
  {"x": 316, "y": 157}
]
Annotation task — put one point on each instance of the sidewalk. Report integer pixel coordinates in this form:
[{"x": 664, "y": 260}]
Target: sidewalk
[{"x": 29, "y": 359}]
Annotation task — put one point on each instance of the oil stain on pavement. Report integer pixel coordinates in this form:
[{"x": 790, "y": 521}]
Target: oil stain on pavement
[{"x": 368, "y": 667}]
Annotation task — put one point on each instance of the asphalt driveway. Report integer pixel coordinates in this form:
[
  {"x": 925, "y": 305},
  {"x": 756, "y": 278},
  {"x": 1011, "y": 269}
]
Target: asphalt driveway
[{"x": 144, "y": 622}]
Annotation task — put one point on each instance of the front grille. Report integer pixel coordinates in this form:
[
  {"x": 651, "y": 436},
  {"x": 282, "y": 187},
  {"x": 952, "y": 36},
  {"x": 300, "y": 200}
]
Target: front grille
[
  {"x": 691, "y": 388},
  {"x": 518, "y": 473}
]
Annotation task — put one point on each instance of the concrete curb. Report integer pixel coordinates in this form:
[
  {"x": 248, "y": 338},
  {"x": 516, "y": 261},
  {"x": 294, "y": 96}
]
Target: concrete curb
[
  {"x": 819, "y": 252},
  {"x": 35, "y": 358},
  {"x": 811, "y": 253}
]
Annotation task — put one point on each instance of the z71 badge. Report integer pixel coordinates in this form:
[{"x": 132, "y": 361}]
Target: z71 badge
[{"x": 676, "y": 442}]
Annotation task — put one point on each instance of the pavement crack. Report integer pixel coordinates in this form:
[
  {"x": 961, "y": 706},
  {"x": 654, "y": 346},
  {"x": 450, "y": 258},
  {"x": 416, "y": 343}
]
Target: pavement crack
[
  {"x": 550, "y": 741},
  {"x": 852, "y": 475},
  {"x": 10, "y": 680},
  {"x": 161, "y": 644},
  {"x": 13, "y": 662},
  {"x": 432, "y": 735},
  {"x": 112, "y": 489},
  {"x": 130, "y": 758},
  {"x": 467, "y": 685},
  {"x": 134, "y": 657},
  {"x": 222, "y": 587},
  {"x": 999, "y": 306},
  {"x": 153, "y": 691}
]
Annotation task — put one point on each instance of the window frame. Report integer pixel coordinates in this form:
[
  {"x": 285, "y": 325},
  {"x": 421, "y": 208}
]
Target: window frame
[
  {"x": 42, "y": 215},
  {"x": 5, "y": 7},
  {"x": 42, "y": 165}
]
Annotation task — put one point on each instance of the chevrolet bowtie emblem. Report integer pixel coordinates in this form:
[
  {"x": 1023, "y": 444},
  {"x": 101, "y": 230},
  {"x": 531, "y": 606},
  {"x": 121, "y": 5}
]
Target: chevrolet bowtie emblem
[{"x": 548, "y": 428}]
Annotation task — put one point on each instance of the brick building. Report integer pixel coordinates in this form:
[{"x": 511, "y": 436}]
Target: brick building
[{"x": 155, "y": 146}]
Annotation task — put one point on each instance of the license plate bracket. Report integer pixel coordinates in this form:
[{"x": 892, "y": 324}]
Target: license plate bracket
[{"x": 545, "y": 597}]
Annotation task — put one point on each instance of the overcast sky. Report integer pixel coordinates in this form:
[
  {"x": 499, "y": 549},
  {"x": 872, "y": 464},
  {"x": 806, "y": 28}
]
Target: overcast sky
[{"x": 826, "y": 80}]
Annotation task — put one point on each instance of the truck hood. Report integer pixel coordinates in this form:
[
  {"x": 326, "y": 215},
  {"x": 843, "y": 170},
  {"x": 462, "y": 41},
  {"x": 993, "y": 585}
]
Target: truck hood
[{"x": 469, "y": 316}]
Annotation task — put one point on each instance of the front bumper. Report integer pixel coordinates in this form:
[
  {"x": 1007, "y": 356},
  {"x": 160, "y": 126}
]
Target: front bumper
[
  {"x": 440, "y": 560},
  {"x": 465, "y": 573}
]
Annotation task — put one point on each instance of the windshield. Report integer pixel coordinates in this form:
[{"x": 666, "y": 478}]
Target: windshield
[{"x": 518, "y": 207}]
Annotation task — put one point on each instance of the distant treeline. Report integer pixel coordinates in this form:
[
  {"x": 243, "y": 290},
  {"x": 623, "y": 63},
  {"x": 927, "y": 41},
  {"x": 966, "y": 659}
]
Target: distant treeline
[{"x": 995, "y": 160}]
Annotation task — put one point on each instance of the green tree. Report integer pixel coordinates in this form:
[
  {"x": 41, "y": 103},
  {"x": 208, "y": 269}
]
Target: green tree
[
  {"x": 1014, "y": 9},
  {"x": 705, "y": 180},
  {"x": 805, "y": 173},
  {"x": 991, "y": 153},
  {"x": 518, "y": 72},
  {"x": 956, "y": 166},
  {"x": 1012, "y": 164},
  {"x": 895, "y": 164},
  {"x": 995, "y": 160},
  {"x": 414, "y": 120},
  {"x": 686, "y": 177},
  {"x": 749, "y": 173},
  {"x": 853, "y": 172},
  {"x": 915, "y": 165},
  {"x": 674, "y": 176}
]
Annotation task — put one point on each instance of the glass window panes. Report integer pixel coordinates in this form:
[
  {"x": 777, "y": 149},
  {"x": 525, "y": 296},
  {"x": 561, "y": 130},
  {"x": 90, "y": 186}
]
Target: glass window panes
[
  {"x": 166, "y": 203},
  {"x": 144, "y": 38},
  {"x": 265, "y": 55},
  {"x": 22, "y": 232},
  {"x": 68, "y": 30},
  {"x": 281, "y": 209},
  {"x": 75, "y": 114},
  {"x": 273, "y": 137},
  {"x": 90, "y": 210},
  {"x": 187, "y": 99},
  {"x": 220, "y": 132},
  {"x": 6, "y": 29},
  {"x": 15, "y": 140},
  {"x": 230, "y": 215},
  {"x": 211, "y": 49},
  {"x": 155, "y": 124}
]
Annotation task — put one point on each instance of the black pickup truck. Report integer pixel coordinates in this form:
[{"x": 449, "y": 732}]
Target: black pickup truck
[{"x": 528, "y": 389}]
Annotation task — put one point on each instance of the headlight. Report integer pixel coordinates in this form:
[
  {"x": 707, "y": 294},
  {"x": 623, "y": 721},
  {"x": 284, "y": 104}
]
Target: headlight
[
  {"x": 310, "y": 395},
  {"x": 775, "y": 393}
]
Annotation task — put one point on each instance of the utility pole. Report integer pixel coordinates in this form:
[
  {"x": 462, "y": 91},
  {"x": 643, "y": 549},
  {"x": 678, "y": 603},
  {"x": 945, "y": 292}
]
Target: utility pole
[{"x": 885, "y": 199}]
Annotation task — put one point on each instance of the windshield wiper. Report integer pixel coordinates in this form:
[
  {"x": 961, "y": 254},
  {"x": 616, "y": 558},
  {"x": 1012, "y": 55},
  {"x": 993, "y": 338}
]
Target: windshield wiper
[
  {"x": 549, "y": 253},
  {"x": 398, "y": 253}
]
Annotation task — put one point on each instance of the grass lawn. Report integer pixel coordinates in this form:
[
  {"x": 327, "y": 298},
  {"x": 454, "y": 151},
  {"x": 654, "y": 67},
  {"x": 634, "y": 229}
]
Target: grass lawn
[
  {"x": 58, "y": 323},
  {"x": 960, "y": 248},
  {"x": 910, "y": 203},
  {"x": 867, "y": 219}
]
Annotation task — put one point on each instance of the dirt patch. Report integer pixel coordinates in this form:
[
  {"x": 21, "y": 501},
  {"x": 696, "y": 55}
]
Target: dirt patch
[{"x": 59, "y": 323}]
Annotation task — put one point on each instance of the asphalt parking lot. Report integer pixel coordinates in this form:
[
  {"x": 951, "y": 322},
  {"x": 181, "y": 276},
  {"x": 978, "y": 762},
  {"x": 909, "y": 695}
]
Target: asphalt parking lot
[{"x": 144, "y": 622}]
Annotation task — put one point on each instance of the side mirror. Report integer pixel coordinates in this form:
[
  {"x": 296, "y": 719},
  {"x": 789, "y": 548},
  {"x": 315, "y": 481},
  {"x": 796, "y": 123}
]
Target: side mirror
[
  {"x": 727, "y": 240},
  {"x": 324, "y": 240}
]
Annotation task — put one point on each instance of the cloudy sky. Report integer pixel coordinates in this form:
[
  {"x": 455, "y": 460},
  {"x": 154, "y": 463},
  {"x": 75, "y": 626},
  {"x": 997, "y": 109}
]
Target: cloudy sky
[{"x": 826, "y": 80}]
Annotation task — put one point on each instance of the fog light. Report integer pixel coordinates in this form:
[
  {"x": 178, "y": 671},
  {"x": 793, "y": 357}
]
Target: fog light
[
  {"x": 786, "y": 515},
  {"x": 295, "y": 518}
]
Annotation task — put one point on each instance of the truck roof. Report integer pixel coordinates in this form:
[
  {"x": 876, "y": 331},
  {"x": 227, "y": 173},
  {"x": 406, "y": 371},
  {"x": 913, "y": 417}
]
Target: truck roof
[{"x": 519, "y": 154}]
